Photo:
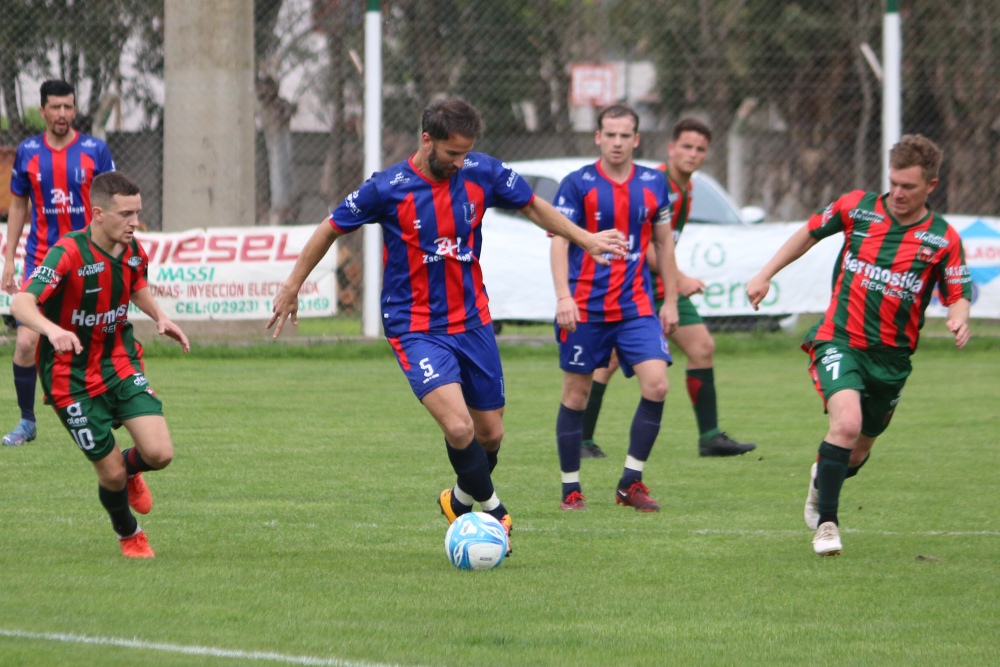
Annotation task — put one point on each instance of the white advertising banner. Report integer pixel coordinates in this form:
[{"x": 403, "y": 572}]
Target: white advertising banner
[{"x": 227, "y": 273}]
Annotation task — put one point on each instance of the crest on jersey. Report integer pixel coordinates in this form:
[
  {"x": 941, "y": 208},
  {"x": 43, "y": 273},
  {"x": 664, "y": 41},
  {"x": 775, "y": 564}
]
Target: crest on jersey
[
  {"x": 469, "y": 211},
  {"x": 80, "y": 175}
]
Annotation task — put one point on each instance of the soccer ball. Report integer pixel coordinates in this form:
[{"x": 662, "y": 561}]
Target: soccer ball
[{"x": 475, "y": 541}]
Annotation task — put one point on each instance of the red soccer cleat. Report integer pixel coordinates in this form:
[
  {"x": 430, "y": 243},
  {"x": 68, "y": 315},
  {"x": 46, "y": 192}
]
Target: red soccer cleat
[
  {"x": 574, "y": 500},
  {"x": 139, "y": 496},
  {"x": 136, "y": 546},
  {"x": 637, "y": 496}
]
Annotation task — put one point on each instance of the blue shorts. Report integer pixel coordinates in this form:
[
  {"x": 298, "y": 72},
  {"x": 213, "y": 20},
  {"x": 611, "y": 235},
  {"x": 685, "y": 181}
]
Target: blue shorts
[
  {"x": 589, "y": 347},
  {"x": 470, "y": 359}
]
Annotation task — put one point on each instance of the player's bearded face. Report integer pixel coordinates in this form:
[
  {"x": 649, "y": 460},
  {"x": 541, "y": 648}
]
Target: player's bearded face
[
  {"x": 437, "y": 166},
  {"x": 59, "y": 114},
  {"x": 446, "y": 156}
]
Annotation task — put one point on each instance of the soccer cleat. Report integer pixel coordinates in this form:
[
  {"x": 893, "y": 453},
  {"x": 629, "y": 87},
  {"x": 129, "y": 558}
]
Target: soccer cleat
[
  {"x": 508, "y": 526},
  {"x": 574, "y": 500},
  {"x": 136, "y": 546},
  {"x": 826, "y": 542},
  {"x": 637, "y": 496},
  {"x": 139, "y": 497},
  {"x": 24, "y": 432},
  {"x": 444, "y": 502},
  {"x": 723, "y": 445},
  {"x": 811, "y": 511},
  {"x": 590, "y": 450}
]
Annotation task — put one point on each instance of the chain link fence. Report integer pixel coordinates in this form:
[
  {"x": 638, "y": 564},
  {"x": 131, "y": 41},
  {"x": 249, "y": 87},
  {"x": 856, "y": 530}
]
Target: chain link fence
[{"x": 793, "y": 100}]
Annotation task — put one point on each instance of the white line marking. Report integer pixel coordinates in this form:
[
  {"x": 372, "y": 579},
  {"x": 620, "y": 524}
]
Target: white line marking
[{"x": 68, "y": 638}]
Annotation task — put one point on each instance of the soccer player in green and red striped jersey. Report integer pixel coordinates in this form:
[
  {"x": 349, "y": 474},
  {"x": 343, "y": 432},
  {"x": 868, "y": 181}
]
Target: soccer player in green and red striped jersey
[
  {"x": 896, "y": 250},
  {"x": 90, "y": 364},
  {"x": 687, "y": 151}
]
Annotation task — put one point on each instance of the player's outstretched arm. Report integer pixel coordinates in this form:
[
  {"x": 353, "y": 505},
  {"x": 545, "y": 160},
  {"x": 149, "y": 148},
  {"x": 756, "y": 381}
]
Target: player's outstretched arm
[
  {"x": 796, "y": 246},
  {"x": 145, "y": 302},
  {"x": 286, "y": 301},
  {"x": 958, "y": 322},
  {"x": 597, "y": 245},
  {"x": 24, "y": 306}
]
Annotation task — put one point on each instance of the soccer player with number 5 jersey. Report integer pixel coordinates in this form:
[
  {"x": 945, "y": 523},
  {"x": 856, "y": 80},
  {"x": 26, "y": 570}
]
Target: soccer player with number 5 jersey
[
  {"x": 434, "y": 305},
  {"x": 53, "y": 173},
  {"x": 896, "y": 251},
  {"x": 90, "y": 364}
]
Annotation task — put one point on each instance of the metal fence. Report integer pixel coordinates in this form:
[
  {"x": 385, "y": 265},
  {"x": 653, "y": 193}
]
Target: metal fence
[{"x": 792, "y": 98}]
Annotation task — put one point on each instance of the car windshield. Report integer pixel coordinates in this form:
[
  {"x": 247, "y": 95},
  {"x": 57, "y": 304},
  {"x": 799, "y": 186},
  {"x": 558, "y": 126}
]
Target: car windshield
[{"x": 709, "y": 206}]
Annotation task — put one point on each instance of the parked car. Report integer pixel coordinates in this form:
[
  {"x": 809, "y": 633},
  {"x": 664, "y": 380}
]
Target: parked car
[{"x": 515, "y": 255}]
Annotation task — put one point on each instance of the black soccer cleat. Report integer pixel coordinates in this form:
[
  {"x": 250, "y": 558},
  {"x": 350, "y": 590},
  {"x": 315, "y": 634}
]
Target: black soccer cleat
[{"x": 723, "y": 445}]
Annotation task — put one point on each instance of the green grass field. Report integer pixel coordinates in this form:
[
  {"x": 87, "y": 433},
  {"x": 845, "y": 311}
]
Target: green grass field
[{"x": 298, "y": 525}]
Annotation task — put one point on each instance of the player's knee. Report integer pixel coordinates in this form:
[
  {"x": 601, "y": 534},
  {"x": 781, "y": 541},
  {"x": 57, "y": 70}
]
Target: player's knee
[
  {"x": 458, "y": 431},
  {"x": 846, "y": 428},
  {"x": 491, "y": 439},
  {"x": 656, "y": 390},
  {"x": 159, "y": 458}
]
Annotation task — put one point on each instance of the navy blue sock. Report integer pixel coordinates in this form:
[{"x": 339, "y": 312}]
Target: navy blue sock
[
  {"x": 25, "y": 378},
  {"x": 569, "y": 436},
  {"x": 491, "y": 458},
  {"x": 116, "y": 504},
  {"x": 570, "y": 487},
  {"x": 473, "y": 470},
  {"x": 645, "y": 428}
]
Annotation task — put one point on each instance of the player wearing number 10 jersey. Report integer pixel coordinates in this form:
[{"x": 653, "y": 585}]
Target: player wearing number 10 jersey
[
  {"x": 434, "y": 305},
  {"x": 91, "y": 366},
  {"x": 896, "y": 251}
]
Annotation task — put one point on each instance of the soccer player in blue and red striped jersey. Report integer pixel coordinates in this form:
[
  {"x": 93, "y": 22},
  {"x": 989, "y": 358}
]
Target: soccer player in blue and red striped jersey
[
  {"x": 52, "y": 175},
  {"x": 896, "y": 251},
  {"x": 91, "y": 366},
  {"x": 434, "y": 306},
  {"x": 605, "y": 308}
]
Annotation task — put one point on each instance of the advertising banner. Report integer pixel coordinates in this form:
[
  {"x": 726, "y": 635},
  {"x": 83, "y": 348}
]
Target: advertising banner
[{"x": 228, "y": 273}]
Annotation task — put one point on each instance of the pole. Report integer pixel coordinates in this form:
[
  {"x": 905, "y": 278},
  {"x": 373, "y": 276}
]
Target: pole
[
  {"x": 372, "y": 253},
  {"x": 892, "y": 97}
]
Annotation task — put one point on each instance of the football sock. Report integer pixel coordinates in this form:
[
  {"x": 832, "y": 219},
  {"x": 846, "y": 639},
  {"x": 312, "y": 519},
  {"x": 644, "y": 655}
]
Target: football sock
[
  {"x": 498, "y": 512},
  {"x": 701, "y": 391},
  {"x": 645, "y": 428},
  {"x": 831, "y": 470},
  {"x": 851, "y": 472},
  {"x": 570, "y": 483},
  {"x": 632, "y": 472},
  {"x": 593, "y": 410},
  {"x": 464, "y": 500},
  {"x": 569, "y": 429},
  {"x": 25, "y": 378},
  {"x": 472, "y": 469},
  {"x": 116, "y": 504},
  {"x": 134, "y": 462},
  {"x": 491, "y": 458}
]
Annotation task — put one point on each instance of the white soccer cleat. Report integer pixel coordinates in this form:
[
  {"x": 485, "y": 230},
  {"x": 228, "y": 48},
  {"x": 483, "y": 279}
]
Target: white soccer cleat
[
  {"x": 826, "y": 542},
  {"x": 811, "y": 512}
]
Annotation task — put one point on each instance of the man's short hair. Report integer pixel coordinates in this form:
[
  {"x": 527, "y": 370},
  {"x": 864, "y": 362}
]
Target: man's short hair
[
  {"x": 444, "y": 118},
  {"x": 691, "y": 125},
  {"x": 57, "y": 88},
  {"x": 617, "y": 111},
  {"x": 916, "y": 150},
  {"x": 107, "y": 185}
]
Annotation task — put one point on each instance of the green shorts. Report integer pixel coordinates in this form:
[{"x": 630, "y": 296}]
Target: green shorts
[
  {"x": 90, "y": 420},
  {"x": 687, "y": 314},
  {"x": 878, "y": 375}
]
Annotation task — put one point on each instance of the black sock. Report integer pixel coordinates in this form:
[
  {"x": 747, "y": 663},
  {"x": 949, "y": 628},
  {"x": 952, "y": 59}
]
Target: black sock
[
  {"x": 134, "y": 462},
  {"x": 116, "y": 504},
  {"x": 473, "y": 470},
  {"x": 491, "y": 458},
  {"x": 25, "y": 378},
  {"x": 645, "y": 428},
  {"x": 851, "y": 472},
  {"x": 593, "y": 410},
  {"x": 831, "y": 470},
  {"x": 701, "y": 391},
  {"x": 569, "y": 430}
]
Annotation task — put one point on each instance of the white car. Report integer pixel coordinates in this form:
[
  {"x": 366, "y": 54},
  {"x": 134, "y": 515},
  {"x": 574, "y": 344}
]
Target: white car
[{"x": 515, "y": 254}]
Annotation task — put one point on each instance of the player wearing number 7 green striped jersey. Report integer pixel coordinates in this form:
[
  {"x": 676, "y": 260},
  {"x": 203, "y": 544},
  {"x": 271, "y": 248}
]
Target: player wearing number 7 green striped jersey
[
  {"x": 896, "y": 250},
  {"x": 90, "y": 365}
]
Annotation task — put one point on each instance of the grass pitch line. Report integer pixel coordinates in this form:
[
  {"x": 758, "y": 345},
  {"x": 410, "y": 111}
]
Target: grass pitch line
[{"x": 69, "y": 638}]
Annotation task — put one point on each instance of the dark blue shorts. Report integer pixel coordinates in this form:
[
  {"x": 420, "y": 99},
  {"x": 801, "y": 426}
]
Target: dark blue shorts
[
  {"x": 590, "y": 346},
  {"x": 470, "y": 359}
]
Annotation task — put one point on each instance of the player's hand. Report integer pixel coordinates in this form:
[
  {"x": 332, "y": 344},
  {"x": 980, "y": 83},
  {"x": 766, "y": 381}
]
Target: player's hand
[
  {"x": 567, "y": 314},
  {"x": 8, "y": 284},
  {"x": 961, "y": 331},
  {"x": 64, "y": 341},
  {"x": 168, "y": 328},
  {"x": 609, "y": 241},
  {"x": 669, "y": 317},
  {"x": 757, "y": 289},
  {"x": 687, "y": 285},
  {"x": 286, "y": 305}
]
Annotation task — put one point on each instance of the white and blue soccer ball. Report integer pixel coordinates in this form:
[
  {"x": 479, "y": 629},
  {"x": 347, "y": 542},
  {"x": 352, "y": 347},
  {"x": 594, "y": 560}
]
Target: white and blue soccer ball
[{"x": 475, "y": 541}]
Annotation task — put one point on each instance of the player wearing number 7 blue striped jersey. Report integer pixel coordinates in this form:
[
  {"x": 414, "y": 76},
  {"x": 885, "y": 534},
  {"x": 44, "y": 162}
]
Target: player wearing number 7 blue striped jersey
[
  {"x": 435, "y": 309},
  {"x": 90, "y": 364},
  {"x": 896, "y": 250}
]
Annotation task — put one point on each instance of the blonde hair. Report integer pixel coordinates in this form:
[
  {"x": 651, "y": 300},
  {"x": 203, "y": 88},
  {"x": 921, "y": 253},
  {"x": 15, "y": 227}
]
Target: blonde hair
[{"x": 916, "y": 150}]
